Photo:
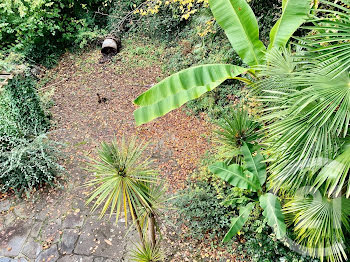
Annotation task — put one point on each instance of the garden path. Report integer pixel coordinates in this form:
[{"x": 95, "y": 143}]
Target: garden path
[{"x": 54, "y": 224}]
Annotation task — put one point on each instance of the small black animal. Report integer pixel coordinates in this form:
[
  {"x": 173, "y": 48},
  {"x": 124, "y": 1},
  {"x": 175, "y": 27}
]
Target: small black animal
[{"x": 101, "y": 99}]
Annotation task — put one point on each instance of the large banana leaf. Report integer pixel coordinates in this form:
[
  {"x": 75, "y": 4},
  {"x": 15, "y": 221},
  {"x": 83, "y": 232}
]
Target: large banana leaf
[
  {"x": 235, "y": 176},
  {"x": 294, "y": 13},
  {"x": 254, "y": 164},
  {"x": 179, "y": 88},
  {"x": 273, "y": 213},
  {"x": 240, "y": 25},
  {"x": 238, "y": 222}
]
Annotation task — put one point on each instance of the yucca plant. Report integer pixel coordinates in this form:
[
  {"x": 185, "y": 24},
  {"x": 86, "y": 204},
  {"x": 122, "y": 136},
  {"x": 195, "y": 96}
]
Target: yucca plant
[{"x": 122, "y": 181}]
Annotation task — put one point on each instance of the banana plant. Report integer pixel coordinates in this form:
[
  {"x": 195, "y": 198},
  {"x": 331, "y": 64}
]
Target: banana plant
[
  {"x": 241, "y": 27},
  {"x": 251, "y": 176}
]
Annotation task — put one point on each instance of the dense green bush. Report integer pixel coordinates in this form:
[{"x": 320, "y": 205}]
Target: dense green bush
[
  {"x": 43, "y": 29},
  {"x": 21, "y": 112},
  {"x": 28, "y": 163},
  {"x": 27, "y": 157},
  {"x": 202, "y": 211}
]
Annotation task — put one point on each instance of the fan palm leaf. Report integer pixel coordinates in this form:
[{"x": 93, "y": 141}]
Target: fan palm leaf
[
  {"x": 319, "y": 224},
  {"x": 328, "y": 40}
]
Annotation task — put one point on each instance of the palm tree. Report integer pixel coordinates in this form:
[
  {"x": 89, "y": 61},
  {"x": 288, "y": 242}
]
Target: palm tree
[
  {"x": 306, "y": 103},
  {"x": 306, "y": 99}
]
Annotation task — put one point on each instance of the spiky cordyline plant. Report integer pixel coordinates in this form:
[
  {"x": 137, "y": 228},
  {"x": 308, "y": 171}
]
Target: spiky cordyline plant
[
  {"x": 122, "y": 179},
  {"x": 147, "y": 253},
  {"x": 238, "y": 128}
]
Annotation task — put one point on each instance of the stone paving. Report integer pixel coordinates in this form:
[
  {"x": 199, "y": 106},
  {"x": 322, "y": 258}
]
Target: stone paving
[{"x": 60, "y": 230}]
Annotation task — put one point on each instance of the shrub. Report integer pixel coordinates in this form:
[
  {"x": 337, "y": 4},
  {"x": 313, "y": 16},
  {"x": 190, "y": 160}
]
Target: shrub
[
  {"x": 21, "y": 112},
  {"x": 43, "y": 29},
  {"x": 28, "y": 164},
  {"x": 257, "y": 243},
  {"x": 201, "y": 209},
  {"x": 27, "y": 157}
]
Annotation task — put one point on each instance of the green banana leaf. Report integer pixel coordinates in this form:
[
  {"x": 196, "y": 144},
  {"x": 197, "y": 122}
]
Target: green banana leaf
[
  {"x": 273, "y": 213},
  {"x": 254, "y": 164},
  {"x": 238, "y": 222},
  {"x": 181, "y": 87},
  {"x": 241, "y": 27},
  {"x": 235, "y": 176},
  {"x": 294, "y": 13}
]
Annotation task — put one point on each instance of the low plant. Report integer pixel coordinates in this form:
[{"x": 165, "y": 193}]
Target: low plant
[
  {"x": 124, "y": 181},
  {"x": 146, "y": 253},
  {"x": 200, "y": 209},
  {"x": 26, "y": 164},
  {"x": 28, "y": 159},
  {"x": 236, "y": 129}
]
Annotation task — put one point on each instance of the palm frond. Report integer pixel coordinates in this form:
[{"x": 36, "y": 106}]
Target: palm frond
[
  {"x": 146, "y": 253},
  {"x": 319, "y": 223},
  {"x": 335, "y": 175},
  {"x": 328, "y": 40}
]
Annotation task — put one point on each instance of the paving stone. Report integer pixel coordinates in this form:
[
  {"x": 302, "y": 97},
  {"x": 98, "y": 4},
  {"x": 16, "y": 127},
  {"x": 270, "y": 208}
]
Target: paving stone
[
  {"x": 93, "y": 240},
  {"x": 5, "y": 205},
  {"x": 31, "y": 248},
  {"x": 103, "y": 259},
  {"x": 75, "y": 258},
  {"x": 6, "y": 259},
  {"x": 50, "y": 254},
  {"x": 99, "y": 259},
  {"x": 22, "y": 211},
  {"x": 50, "y": 231},
  {"x": 13, "y": 238},
  {"x": 36, "y": 229},
  {"x": 69, "y": 238},
  {"x": 73, "y": 220},
  {"x": 9, "y": 219}
]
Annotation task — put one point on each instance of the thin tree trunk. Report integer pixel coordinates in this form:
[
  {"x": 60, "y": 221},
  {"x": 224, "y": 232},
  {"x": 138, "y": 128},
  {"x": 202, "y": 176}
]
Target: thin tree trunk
[
  {"x": 152, "y": 230},
  {"x": 139, "y": 229}
]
